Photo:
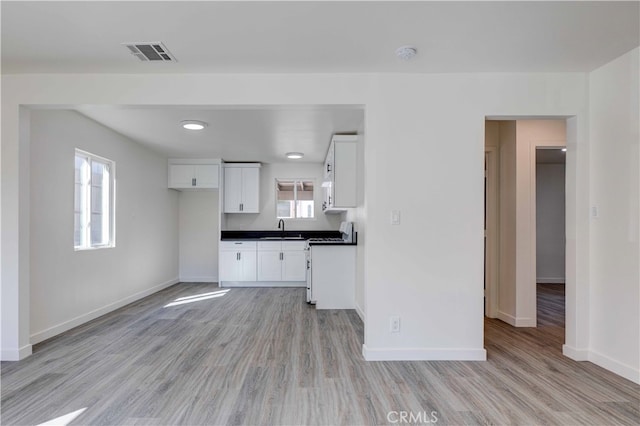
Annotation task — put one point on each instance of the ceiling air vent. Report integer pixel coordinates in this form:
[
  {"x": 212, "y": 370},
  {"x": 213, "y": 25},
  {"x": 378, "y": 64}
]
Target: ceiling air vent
[{"x": 150, "y": 51}]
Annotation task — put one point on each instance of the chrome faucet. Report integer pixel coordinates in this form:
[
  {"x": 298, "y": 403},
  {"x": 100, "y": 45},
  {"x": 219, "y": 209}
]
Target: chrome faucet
[{"x": 281, "y": 223}]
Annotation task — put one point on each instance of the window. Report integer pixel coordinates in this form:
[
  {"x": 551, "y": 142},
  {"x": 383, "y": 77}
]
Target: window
[
  {"x": 294, "y": 199},
  {"x": 93, "y": 201}
]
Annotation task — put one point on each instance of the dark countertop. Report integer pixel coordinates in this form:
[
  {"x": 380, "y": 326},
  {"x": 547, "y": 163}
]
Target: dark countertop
[
  {"x": 331, "y": 243},
  {"x": 304, "y": 235},
  {"x": 256, "y": 235}
]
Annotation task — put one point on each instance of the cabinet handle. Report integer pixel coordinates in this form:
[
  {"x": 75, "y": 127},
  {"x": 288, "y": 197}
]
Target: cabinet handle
[
  {"x": 328, "y": 168},
  {"x": 281, "y": 256},
  {"x": 193, "y": 182},
  {"x": 237, "y": 256},
  {"x": 241, "y": 207}
]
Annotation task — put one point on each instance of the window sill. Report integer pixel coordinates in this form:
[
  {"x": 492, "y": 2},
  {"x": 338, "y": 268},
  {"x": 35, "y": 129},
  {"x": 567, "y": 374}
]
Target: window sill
[{"x": 93, "y": 248}]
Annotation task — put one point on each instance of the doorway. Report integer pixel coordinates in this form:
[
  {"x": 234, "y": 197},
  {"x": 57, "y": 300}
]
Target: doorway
[
  {"x": 550, "y": 236},
  {"x": 511, "y": 275}
]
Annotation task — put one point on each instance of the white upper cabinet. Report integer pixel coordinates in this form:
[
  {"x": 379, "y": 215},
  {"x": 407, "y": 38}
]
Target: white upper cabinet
[
  {"x": 184, "y": 174},
  {"x": 242, "y": 188},
  {"x": 340, "y": 175}
]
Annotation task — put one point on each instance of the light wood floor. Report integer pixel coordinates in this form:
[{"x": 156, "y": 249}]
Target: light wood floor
[{"x": 263, "y": 356}]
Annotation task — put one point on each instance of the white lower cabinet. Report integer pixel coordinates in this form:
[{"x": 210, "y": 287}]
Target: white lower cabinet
[
  {"x": 269, "y": 265},
  {"x": 294, "y": 265},
  {"x": 237, "y": 261},
  {"x": 262, "y": 263},
  {"x": 281, "y": 261}
]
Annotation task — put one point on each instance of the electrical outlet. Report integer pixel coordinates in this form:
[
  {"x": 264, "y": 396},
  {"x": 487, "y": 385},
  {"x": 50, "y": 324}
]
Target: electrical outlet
[
  {"x": 394, "y": 324},
  {"x": 395, "y": 217}
]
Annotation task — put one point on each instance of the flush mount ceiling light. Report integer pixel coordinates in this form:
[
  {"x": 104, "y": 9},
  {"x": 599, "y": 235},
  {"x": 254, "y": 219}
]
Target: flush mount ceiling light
[
  {"x": 294, "y": 155},
  {"x": 406, "y": 53},
  {"x": 193, "y": 124}
]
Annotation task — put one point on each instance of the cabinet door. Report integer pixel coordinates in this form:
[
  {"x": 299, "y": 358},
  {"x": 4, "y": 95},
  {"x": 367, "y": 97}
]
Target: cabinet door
[
  {"x": 181, "y": 176},
  {"x": 232, "y": 189},
  {"x": 229, "y": 266},
  {"x": 345, "y": 176},
  {"x": 327, "y": 195},
  {"x": 328, "y": 163},
  {"x": 250, "y": 190},
  {"x": 294, "y": 266},
  {"x": 269, "y": 266},
  {"x": 247, "y": 266},
  {"x": 206, "y": 175}
]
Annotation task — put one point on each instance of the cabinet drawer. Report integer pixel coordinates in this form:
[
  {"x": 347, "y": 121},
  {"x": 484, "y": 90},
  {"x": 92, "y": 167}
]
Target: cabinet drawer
[
  {"x": 270, "y": 245},
  {"x": 238, "y": 245}
]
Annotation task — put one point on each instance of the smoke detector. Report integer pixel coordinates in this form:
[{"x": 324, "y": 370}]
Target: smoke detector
[
  {"x": 150, "y": 51},
  {"x": 406, "y": 53}
]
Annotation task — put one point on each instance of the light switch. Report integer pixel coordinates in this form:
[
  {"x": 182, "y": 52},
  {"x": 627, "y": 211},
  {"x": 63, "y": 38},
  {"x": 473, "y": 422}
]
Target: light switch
[
  {"x": 594, "y": 212},
  {"x": 395, "y": 217}
]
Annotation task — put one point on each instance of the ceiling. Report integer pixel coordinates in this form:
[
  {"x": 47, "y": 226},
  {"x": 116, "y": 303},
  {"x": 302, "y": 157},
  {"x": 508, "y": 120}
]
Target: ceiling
[
  {"x": 299, "y": 36},
  {"x": 262, "y": 134},
  {"x": 316, "y": 36}
]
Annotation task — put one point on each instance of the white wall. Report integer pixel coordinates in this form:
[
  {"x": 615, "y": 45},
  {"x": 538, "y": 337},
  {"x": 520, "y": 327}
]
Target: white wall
[
  {"x": 420, "y": 128},
  {"x": 266, "y": 219},
  {"x": 615, "y": 257},
  {"x": 199, "y": 233},
  {"x": 429, "y": 129},
  {"x": 550, "y": 216},
  {"x": 70, "y": 287}
]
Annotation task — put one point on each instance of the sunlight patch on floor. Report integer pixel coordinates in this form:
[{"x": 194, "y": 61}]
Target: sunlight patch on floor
[
  {"x": 197, "y": 298},
  {"x": 64, "y": 420}
]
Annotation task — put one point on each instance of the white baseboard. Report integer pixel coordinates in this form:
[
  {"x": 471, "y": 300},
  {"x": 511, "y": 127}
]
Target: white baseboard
[
  {"x": 15, "y": 354},
  {"x": 575, "y": 353},
  {"x": 516, "y": 322},
  {"x": 360, "y": 312},
  {"x": 626, "y": 371},
  {"x": 81, "y": 319},
  {"x": 207, "y": 279},
  {"x": 550, "y": 280},
  {"x": 423, "y": 354},
  {"x": 263, "y": 284}
]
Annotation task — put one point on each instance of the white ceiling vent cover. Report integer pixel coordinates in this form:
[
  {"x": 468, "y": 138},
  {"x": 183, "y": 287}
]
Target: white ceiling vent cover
[{"x": 154, "y": 51}]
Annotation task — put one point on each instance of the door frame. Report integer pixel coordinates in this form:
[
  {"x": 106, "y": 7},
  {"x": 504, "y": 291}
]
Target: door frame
[{"x": 491, "y": 265}]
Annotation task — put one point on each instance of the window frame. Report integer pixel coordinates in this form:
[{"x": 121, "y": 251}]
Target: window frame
[
  {"x": 295, "y": 182},
  {"x": 86, "y": 187}
]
